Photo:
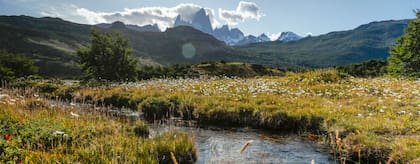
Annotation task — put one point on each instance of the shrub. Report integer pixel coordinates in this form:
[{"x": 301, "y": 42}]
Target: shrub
[
  {"x": 156, "y": 108},
  {"x": 371, "y": 68},
  {"x": 108, "y": 57},
  {"x": 405, "y": 55},
  {"x": 140, "y": 129},
  {"x": 121, "y": 100},
  {"x": 179, "y": 144},
  {"x": 15, "y": 66}
]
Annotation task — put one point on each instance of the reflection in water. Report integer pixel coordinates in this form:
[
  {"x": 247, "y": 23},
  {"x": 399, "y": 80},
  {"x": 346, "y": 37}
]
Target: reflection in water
[
  {"x": 223, "y": 146},
  {"x": 217, "y": 145}
]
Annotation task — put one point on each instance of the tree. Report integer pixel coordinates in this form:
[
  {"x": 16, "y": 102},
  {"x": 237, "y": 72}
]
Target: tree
[
  {"x": 405, "y": 55},
  {"x": 108, "y": 57},
  {"x": 13, "y": 66}
]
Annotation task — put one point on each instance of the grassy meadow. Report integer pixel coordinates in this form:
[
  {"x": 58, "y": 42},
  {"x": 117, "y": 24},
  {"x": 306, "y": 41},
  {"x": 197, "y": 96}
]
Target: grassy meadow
[
  {"x": 367, "y": 120},
  {"x": 36, "y": 131}
]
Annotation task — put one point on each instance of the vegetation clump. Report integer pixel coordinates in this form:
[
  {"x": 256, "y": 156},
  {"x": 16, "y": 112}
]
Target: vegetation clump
[
  {"x": 156, "y": 108},
  {"x": 405, "y": 55},
  {"x": 362, "y": 118},
  {"x": 371, "y": 68},
  {"x": 53, "y": 133},
  {"x": 15, "y": 66},
  {"x": 108, "y": 58}
]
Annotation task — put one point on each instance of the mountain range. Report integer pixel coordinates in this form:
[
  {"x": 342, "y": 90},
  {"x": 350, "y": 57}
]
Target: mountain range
[
  {"x": 201, "y": 21},
  {"x": 52, "y": 43},
  {"x": 366, "y": 42}
]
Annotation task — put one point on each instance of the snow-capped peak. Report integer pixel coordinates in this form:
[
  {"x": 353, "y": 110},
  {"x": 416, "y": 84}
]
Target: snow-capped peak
[
  {"x": 264, "y": 38},
  {"x": 288, "y": 36}
]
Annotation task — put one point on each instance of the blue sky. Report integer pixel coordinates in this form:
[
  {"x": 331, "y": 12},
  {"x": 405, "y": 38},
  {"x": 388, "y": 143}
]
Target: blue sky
[{"x": 252, "y": 17}]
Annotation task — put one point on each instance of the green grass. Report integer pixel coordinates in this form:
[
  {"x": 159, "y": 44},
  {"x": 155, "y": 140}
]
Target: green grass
[
  {"x": 375, "y": 116},
  {"x": 44, "y": 133},
  {"x": 366, "y": 119}
]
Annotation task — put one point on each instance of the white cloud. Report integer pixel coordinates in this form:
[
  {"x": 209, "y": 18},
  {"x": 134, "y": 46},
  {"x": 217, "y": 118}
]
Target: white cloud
[
  {"x": 164, "y": 17},
  {"x": 72, "y": 13},
  {"x": 273, "y": 36},
  {"x": 245, "y": 10}
]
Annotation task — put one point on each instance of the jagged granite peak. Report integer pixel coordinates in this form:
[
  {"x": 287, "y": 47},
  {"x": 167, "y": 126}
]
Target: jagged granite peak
[
  {"x": 264, "y": 38},
  {"x": 229, "y": 36},
  {"x": 253, "y": 39},
  {"x": 248, "y": 40},
  {"x": 180, "y": 22},
  {"x": 288, "y": 36},
  {"x": 202, "y": 22}
]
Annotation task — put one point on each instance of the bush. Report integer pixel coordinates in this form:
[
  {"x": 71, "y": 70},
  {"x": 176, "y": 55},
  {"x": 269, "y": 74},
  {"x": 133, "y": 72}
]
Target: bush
[
  {"x": 140, "y": 129},
  {"x": 15, "y": 66},
  {"x": 320, "y": 76},
  {"x": 371, "y": 68},
  {"x": 121, "y": 100},
  {"x": 182, "y": 147},
  {"x": 108, "y": 57},
  {"x": 157, "y": 108},
  {"x": 405, "y": 55}
]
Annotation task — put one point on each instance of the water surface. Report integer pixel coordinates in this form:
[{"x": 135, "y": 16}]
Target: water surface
[{"x": 217, "y": 145}]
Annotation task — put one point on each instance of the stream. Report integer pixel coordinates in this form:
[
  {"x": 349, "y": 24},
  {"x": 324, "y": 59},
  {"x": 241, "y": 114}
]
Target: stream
[{"x": 217, "y": 145}]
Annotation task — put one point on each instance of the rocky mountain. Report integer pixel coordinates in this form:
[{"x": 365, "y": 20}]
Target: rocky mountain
[
  {"x": 146, "y": 28},
  {"x": 201, "y": 21},
  {"x": 250, "y": 39},
  {"x": 52, "y": 44},
  {"x": 227, "y": 35},
  {"x": 264, "y": 38},
  {"x": 288, "y": 36},
  {"x": 366, "y": 42}
]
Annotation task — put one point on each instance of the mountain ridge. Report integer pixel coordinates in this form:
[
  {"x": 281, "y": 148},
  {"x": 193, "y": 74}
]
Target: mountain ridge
[
  {"x": 234, "y": 36},
  {"x": 52, "y": 43},
  {"x": 365, "y": 42}
]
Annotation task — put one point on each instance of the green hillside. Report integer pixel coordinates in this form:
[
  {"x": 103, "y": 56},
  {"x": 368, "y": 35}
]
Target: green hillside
[
  {"x": 52, "y": 43},
  {"x": 167, "y": 47},
  {"x": 370, "y": 41}
]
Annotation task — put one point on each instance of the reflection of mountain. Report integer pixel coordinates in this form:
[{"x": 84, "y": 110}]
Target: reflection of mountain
[{"x": 201, "y": 21}]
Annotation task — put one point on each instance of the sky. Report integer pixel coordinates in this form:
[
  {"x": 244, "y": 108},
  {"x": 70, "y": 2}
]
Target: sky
[{"x": 254, "y": 17}]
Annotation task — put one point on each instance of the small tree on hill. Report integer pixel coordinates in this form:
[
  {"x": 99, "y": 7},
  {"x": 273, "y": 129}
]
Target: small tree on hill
[
  {"x": 405, "y": 55},
  {"x": 108, "y": 57},
  {"x": 13, "y": 66}
]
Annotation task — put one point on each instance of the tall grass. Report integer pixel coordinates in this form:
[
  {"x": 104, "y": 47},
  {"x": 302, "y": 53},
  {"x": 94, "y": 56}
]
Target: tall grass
[
  {"x": 41, "y": 132},
  {"x": 369, "y": 119}
]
